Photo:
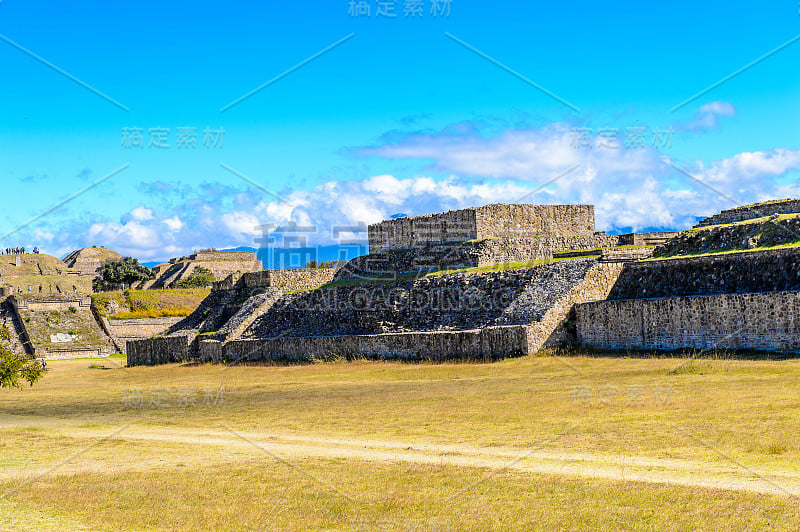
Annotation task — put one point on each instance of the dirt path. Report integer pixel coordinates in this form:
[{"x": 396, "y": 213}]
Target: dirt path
[{"x": 288, "y": 447}]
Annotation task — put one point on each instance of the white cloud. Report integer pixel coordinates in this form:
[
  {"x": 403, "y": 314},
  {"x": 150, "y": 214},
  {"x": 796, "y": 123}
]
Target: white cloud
[
  {"x": 631, "y": 189},
  {"x": 141, "y": 214},
  {"x": 707, "y": 116},
  {"x": 174, "y": 223},
  {"x": 243, "y": 223}
]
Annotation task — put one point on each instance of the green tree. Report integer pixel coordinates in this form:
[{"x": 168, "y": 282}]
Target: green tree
[
  {"x": 200, "y": 278},
  {"x": 112, "y": 275},
  {"x": 17, "y": 368}
]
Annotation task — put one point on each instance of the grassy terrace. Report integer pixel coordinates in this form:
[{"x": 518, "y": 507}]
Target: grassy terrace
[
  {"x": 175, "y": 302},
  {"x": 761, "y": 220},
  {"x": 412, "y": 276},
  {"x": 546, "y": 443},
  {"x": 726, "y": 252},
  {"x": 758, "y": 234}
]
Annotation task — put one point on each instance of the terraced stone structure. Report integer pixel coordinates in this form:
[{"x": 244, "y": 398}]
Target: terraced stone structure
[
  {"x": 732, "y": 283},
  {"x": 479, "y": 223},
  {"x": 748, "y": 212},
  {"x": 438, "y": 290},
  {"x": 88, "y": 260},
  {"x": 490, "y": 314},
  {"x": 220, "y": 263}
]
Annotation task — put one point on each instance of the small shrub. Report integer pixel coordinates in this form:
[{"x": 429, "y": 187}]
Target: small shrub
[
  {"x": 200, "y": 278},
  {"x": 777, "y": 447},
  {"x": 73, "y": 310},
  {"x": 691, "y": 367}
]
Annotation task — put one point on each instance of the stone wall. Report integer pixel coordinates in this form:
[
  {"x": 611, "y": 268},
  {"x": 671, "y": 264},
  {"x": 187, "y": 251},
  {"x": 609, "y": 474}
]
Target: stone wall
[
  {"x": 646, "y": 239},
  {"x": 502, "y": 220},
  {"x": 245, "y": 256},
  {"x": 50, "y": 303},
  {"x": 756, "y": 271},
  {"x": 449, "y": 302},
  {"x": 554, "y": 328},
  {"x": 470, "y": 254},
  {"x": 87, "y": 260},
  {"x": 478, "y": 316},
  {"x": 488, "y": 343},
  {"x": 765, "y": 322},
  {"x": 140, "y": 328},
  {"x": 300, "y": 278},
  {"x": 161, "y": 350},
  {"x": 288, "y": 279},
  {"x": 221, "y": 264},
  {"x": 415, "y": 231},
  {"x": 57, "y": 327},
  {"x": 748, "y": 212},
  {"x": 486, "y": 222}
]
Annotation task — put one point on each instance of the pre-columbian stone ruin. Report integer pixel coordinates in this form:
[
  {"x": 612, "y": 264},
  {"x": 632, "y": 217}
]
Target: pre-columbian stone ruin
[
  {"x": 510, "y": 280},
  {"x": 483, "y": 283}
]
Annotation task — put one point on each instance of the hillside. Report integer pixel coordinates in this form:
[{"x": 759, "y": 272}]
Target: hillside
[
  {"x": 133, "y": 304},
  {"x": 760, "y": 233},
  {"x": 53, "y": 275}
]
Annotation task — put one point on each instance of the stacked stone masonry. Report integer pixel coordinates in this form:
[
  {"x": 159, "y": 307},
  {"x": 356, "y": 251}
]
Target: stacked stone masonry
[
  {"x": 486, "y": 343},
  {"x": 787, "y": 206},
  {"x": 288, "y": 280},
  {"x": 731, "y": 273},
  {"x": 220, "y": 263},
  {"x": 763, "y": 322},
  {"x": 470, "y": 254},
  {"x": 160, "y": 350},
  {"x": 450, "y": 302},
  {"x": 486, "y": 222},
  {"x": 132, "y": 329},
  {"x": 478, "y": 316}
]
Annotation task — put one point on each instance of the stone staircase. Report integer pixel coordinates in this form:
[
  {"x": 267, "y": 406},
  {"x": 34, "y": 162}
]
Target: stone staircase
[{"x": 10, "y": 320}]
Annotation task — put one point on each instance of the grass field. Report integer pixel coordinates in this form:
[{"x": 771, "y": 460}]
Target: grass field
[
  {"x": 536, "y": 443},
  {"x": 134, "y": 304}
]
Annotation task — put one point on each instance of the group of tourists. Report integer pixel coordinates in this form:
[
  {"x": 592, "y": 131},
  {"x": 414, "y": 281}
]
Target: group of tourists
[
  {"x": 20, "y": 251},
  {"x": 32, "y": 289}
]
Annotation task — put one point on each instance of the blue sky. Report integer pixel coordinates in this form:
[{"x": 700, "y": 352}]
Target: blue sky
[{"x": 405, "y": 114}]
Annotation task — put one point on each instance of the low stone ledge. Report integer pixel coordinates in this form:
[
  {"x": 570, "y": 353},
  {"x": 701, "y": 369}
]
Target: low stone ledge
[{"x": 489, "y": 343}]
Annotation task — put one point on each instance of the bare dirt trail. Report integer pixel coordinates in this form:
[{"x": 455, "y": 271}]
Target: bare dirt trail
[{"x": 241, "y": 445}]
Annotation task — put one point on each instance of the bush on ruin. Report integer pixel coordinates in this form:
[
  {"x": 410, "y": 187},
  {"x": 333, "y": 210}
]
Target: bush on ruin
[
  {"x": 200, "y": 278},
  {"x": 113, "y": 275}
]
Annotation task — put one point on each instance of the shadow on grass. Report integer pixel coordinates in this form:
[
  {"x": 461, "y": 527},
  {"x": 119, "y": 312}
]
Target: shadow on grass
[{"x": 710, "y": 354}]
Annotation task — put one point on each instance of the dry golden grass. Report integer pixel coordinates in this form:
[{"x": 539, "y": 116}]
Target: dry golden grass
[
  {"x": 267, "y": 494},
  {"x": 736, "y": 418}
]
